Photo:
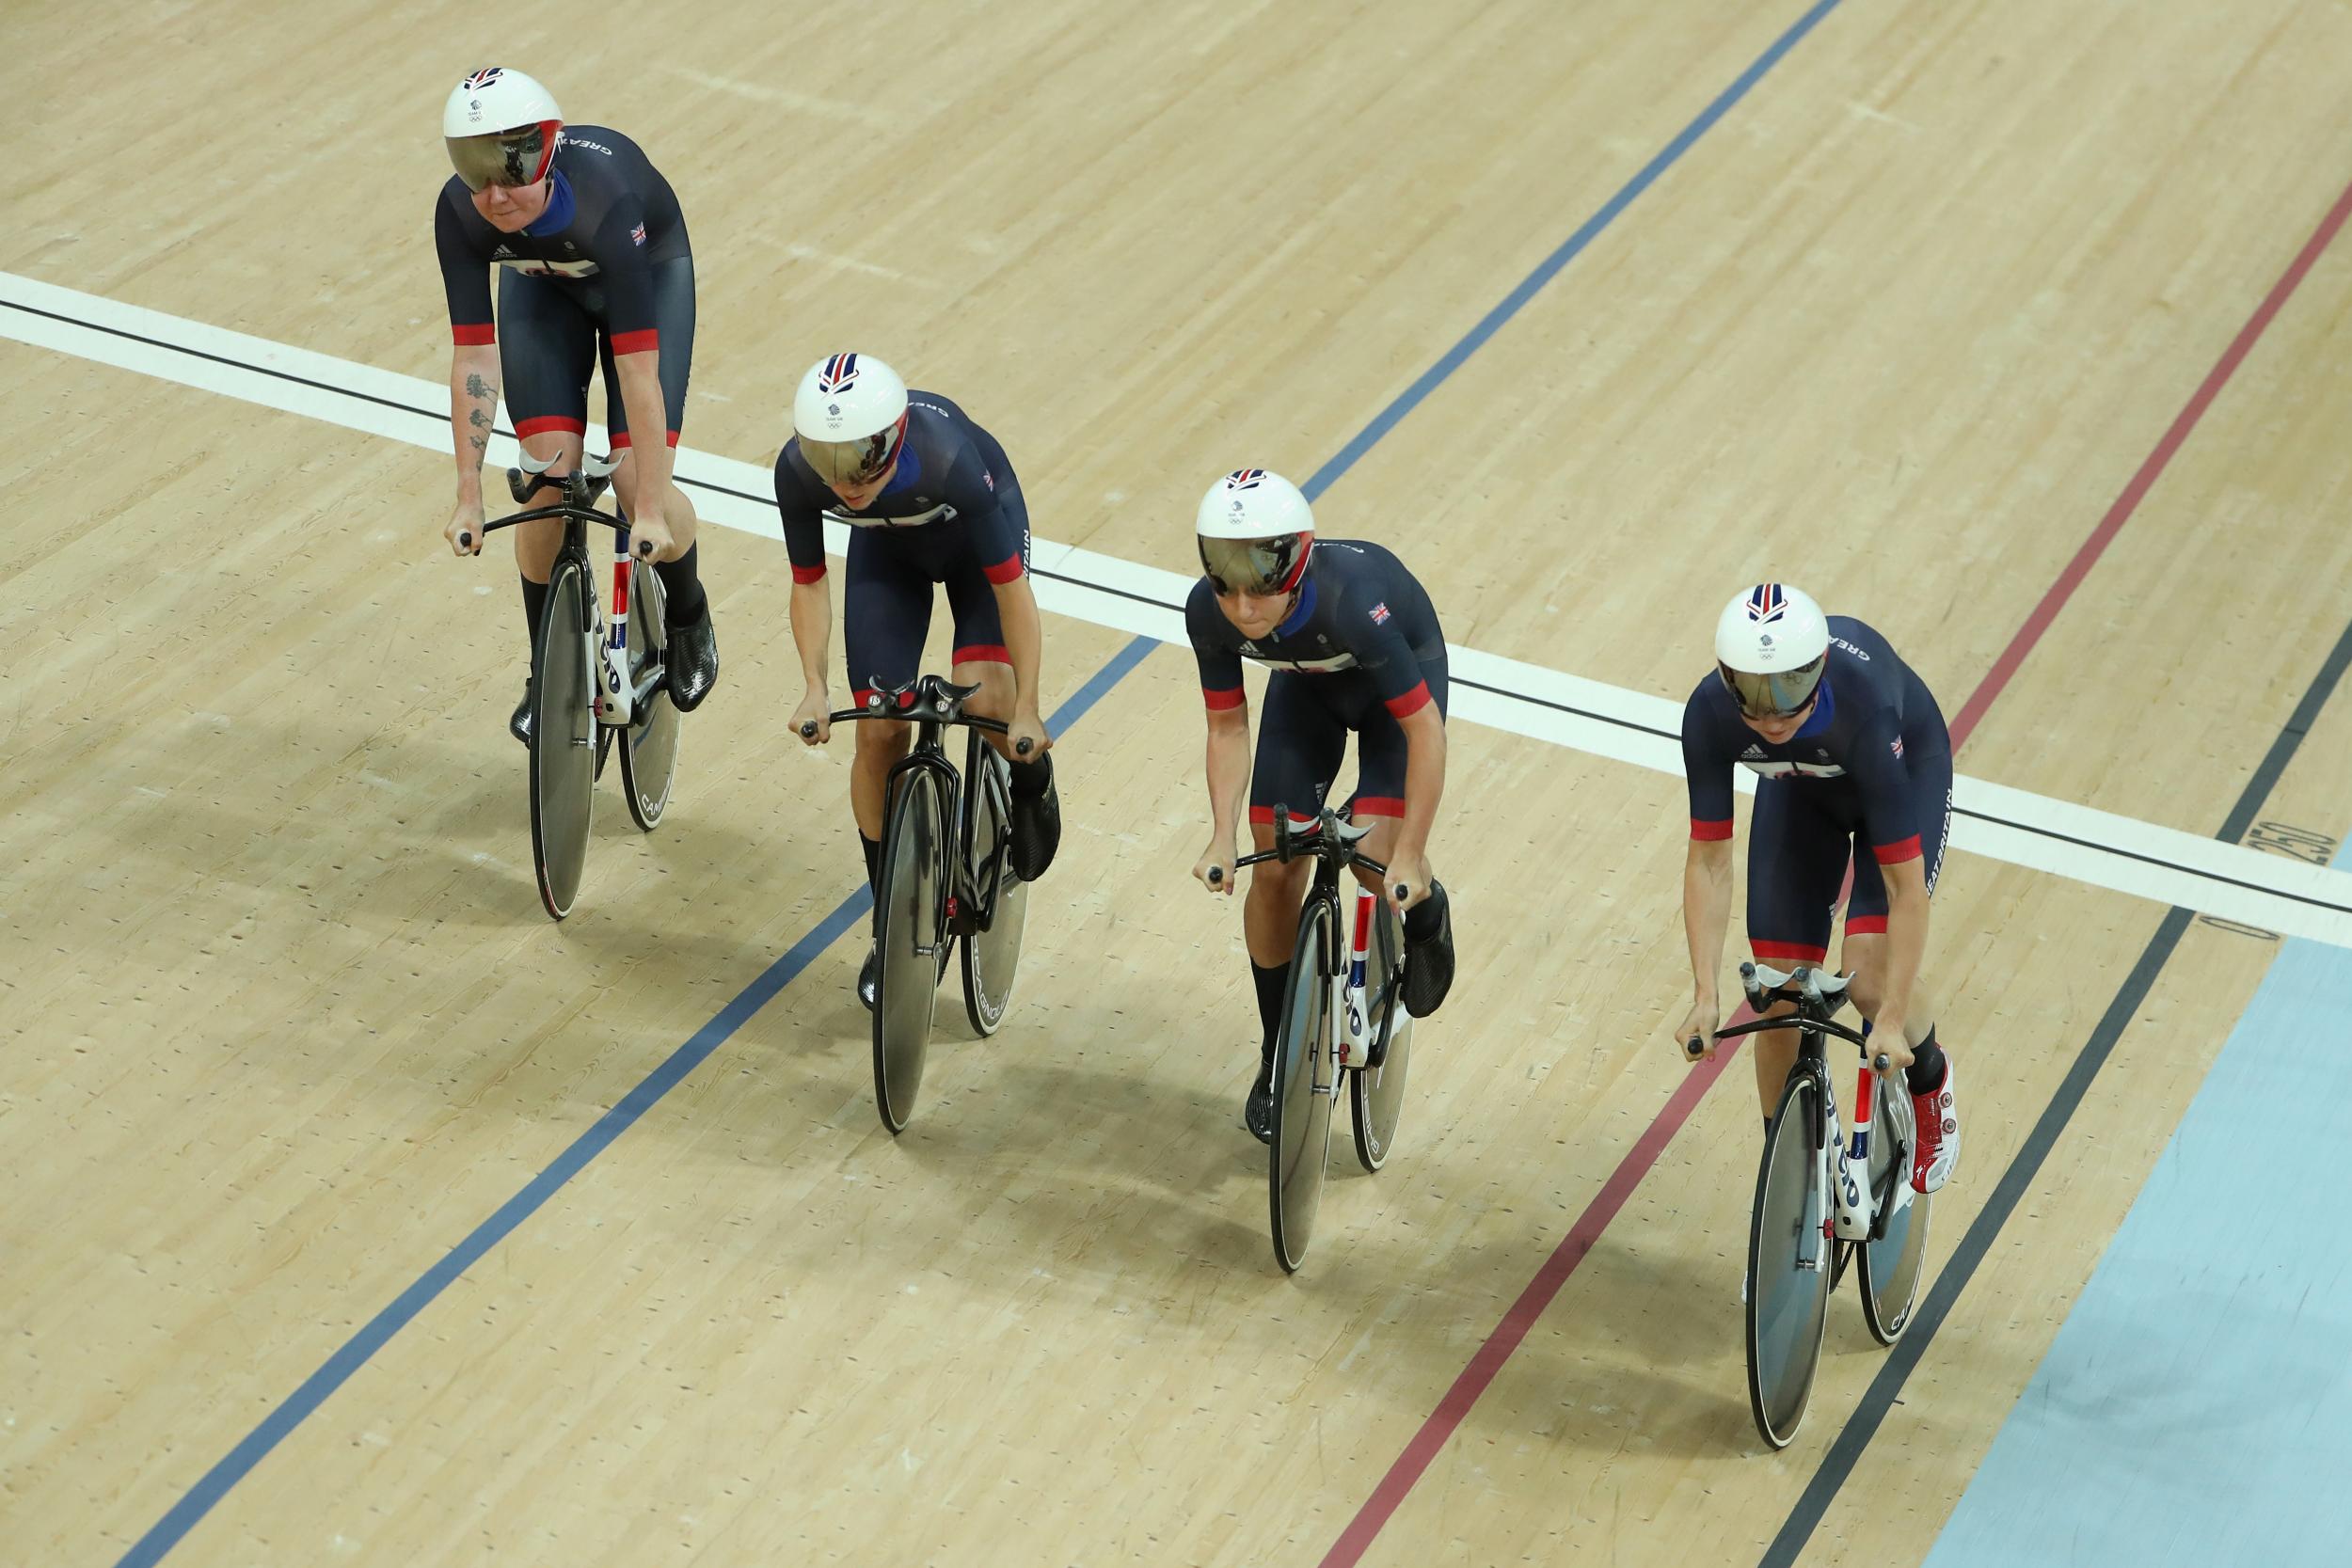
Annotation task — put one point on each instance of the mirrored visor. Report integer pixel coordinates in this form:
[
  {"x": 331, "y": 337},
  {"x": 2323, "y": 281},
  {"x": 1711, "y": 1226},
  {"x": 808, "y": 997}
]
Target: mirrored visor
[
  {"x": 854, "y": 462},
  {"x": 1254, "y": 566},
  {"x": 1776, "y": 695},
  {"x": 510, "y": 158}
]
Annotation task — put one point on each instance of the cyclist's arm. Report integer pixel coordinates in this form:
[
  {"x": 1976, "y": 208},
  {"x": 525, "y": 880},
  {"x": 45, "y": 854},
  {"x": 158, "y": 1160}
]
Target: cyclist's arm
[
  {"x": 1016, "y": 611},
  {"x": 1706, "y": 913},
  {"x": 640, "y": 376},
  {"x": 1228, "y": 769},
  {"x": 474, "y": 405},
  {"x": 1906, "y": 939},
  {"x": 812, "y": 630},
  {"x": 1425, "y": 779}
]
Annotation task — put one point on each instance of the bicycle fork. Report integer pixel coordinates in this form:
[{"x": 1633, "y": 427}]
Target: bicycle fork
[
  {"x": 1840, "y": 1210},
  {"x": 1354, "y": 1040},
  {"x": 615, "y": 693}
]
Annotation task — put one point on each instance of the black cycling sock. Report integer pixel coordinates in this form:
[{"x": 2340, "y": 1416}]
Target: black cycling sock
[
  {"x": 1425, "y": 919},
  {"x": 1032, "y": 779},
  {"x": 873, "y": 863},
  {"x": 682, "y": 580},
  {"x": 535, "y": 608},
  {"x": 1925, "y": 1075},
  {"x": 1271, "y": 984}
]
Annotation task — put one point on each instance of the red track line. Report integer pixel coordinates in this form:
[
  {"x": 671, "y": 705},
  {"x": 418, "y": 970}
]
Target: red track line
[{"x": 1390, "y": 1491}]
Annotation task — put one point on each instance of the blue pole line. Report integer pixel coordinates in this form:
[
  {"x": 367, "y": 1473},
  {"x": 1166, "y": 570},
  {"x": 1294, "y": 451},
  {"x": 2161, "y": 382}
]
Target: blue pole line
[
  {"x": 1573, "y": 247},
  {"x": 239, "y": 1462}
]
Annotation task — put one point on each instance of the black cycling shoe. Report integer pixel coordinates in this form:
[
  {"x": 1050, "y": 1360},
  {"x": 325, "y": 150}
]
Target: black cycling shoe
[
  {"x": 519, "y": 725},
  {"x": 1429, "y": 967},
  {"x": 693, "y": 659},
  {"x": 1258, "y": 1115},
  {"x": 865, "y": 981},
  {"x": 1036, "y": 832}
]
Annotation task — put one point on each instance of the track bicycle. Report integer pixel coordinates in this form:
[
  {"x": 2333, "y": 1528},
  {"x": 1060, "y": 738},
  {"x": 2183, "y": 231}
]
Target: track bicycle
[
  {"x": 591, "y": 679},
  {"x": 1825, "y": 1197},
  {"x": 946, "y": 873},
  {"x": 1344, "y": 1014}
]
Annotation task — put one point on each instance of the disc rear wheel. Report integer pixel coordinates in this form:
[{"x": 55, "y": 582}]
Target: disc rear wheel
[
  {"x": 563, "y": 741},
  {"x": 992, "y": 953},
  {"x": 1894, "y": 1260},
  {"x": 1375, "y": 1095},
  {"x": 649, "y": 750}
]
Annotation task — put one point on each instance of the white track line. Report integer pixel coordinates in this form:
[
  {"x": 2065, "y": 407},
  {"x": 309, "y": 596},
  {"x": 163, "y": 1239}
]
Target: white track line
[{"x": 2094, "y": 847}]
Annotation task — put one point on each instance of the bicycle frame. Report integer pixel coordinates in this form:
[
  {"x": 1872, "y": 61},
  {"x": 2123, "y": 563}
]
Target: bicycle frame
[
  {"x": 1332, "y": 840},
  {"x": 1850, "y": 1210}
]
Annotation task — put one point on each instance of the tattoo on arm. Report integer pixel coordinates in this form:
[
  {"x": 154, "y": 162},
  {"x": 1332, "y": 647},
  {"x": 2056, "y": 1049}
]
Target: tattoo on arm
[
  {"x": 477, "y": 420},
  {"x": 480, "y": 444},
  {"x": 477, "y": 388}
]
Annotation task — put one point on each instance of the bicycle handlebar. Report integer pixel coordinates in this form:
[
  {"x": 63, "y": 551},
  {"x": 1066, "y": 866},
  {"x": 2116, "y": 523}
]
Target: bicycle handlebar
[
  {"x": 1325, "y": 839},
  {"x": 928, "y": 700},
  {"x": 1817, "y": 1008},
  {"x": 581, "y": 488}
]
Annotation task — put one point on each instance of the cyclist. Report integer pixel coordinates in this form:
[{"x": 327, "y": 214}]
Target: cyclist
[
  {"x": 1852, "y": 757},
  {"x": 929, "y": 497},
  {"x": 1355, "y": 646},
  {"x": 593, "y": 267}
]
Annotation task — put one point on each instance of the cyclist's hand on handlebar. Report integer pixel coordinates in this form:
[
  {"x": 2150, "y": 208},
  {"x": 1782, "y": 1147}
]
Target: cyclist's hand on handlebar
[
  {"x": 1028, "y": 727},
  {"x": 1215, "y": 869},
  {"x": 1408, "y": 881},
  {"x": 650, "y": 539},
  {"x": 464, "y": 532},
  {"x": 1703, "y": 1019},
  {"x": 809, "y": 721},
  {"x": 1888, "y": 1040}
]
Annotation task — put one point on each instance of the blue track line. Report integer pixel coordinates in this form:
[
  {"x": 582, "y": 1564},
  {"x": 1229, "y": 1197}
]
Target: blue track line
[{"x": 239, "y": 1462}]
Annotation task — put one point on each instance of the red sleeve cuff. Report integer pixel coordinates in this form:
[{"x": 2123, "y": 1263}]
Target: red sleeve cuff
[
  {"x": 472, "y": 334},
  {"x": 1220, "y": 700},
  {"x": 1007, "y": 570},
  {"x": 648, "y": 341},
  {"x": 1411, "y": 703},
  {"x": 1895, "y": 854},
  {"x": 1710, "y": 833},
  {"x": 809, "y": 574}
]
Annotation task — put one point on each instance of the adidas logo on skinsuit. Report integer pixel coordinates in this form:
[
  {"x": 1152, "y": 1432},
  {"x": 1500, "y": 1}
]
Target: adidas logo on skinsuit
[{"x": 1753, "y": 752}]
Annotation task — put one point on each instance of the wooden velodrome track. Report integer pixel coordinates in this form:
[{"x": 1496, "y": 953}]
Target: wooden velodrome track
[{"x": 2015, "y": 329}]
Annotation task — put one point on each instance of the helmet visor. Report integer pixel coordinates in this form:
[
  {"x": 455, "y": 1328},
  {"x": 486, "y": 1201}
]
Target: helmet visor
[
  {"x": 1777, "y": 695},
  {"x": 1258, "y": 566},
  {"x": 858, "y": 462},
  {"x": 510, "y": 158}
]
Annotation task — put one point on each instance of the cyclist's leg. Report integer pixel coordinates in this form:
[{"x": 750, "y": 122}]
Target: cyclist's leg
[
  {"x": 885, "y": 613},
  {"x": 1865, "y": 951},
  {"x": 1381, "y": 753},
  {"x": 1301, "y": 741},
  {"x": 547, "y": 348},
  {"x": 694, "y": 656},
  {"x": 980, "y": 658},
  {"x": 1796, "y": 850}
]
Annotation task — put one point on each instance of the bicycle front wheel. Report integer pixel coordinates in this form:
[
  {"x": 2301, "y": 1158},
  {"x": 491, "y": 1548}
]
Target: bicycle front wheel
[
  {"x": 563, "y": 741},
  {"x": 1789, "y": 1265},
  {"x": 1894, "y": 1256},
  {"x": 1375, "y": 1095},
  {"x": 1304, "y": 1082},
  {"x": 909, "y": 926},
  {"x": 649, "y": 750},
  {"x": 992, "y": 953}
]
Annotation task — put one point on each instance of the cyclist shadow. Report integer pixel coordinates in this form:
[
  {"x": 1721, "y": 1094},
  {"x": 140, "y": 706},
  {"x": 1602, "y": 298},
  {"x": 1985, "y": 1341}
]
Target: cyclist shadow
[{"x": 1146, "y": 1168}]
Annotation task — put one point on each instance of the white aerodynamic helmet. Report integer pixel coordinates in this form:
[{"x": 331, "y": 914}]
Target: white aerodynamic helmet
[
  {"x": 501, "y": 128},
  {"x": 1255, "y": 532},
  {"x": 850, "y": 415},
  {"x": 1770, "y": 645}
]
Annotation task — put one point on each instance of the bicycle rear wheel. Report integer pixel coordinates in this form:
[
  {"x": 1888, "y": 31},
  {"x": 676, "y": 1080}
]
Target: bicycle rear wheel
[
  {"x": 909, "y": 926},
  {"x": 563, "y": 741},
  {"x": 1304, "y": 1069},
  {"x": 1788, "y": 1266},
  {"x": 1894, "y": 1257},
  {"x": 1375, "y": 1095},
  {"x": 649, "y": 750},
  {"x": 992, "y": 952}
]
